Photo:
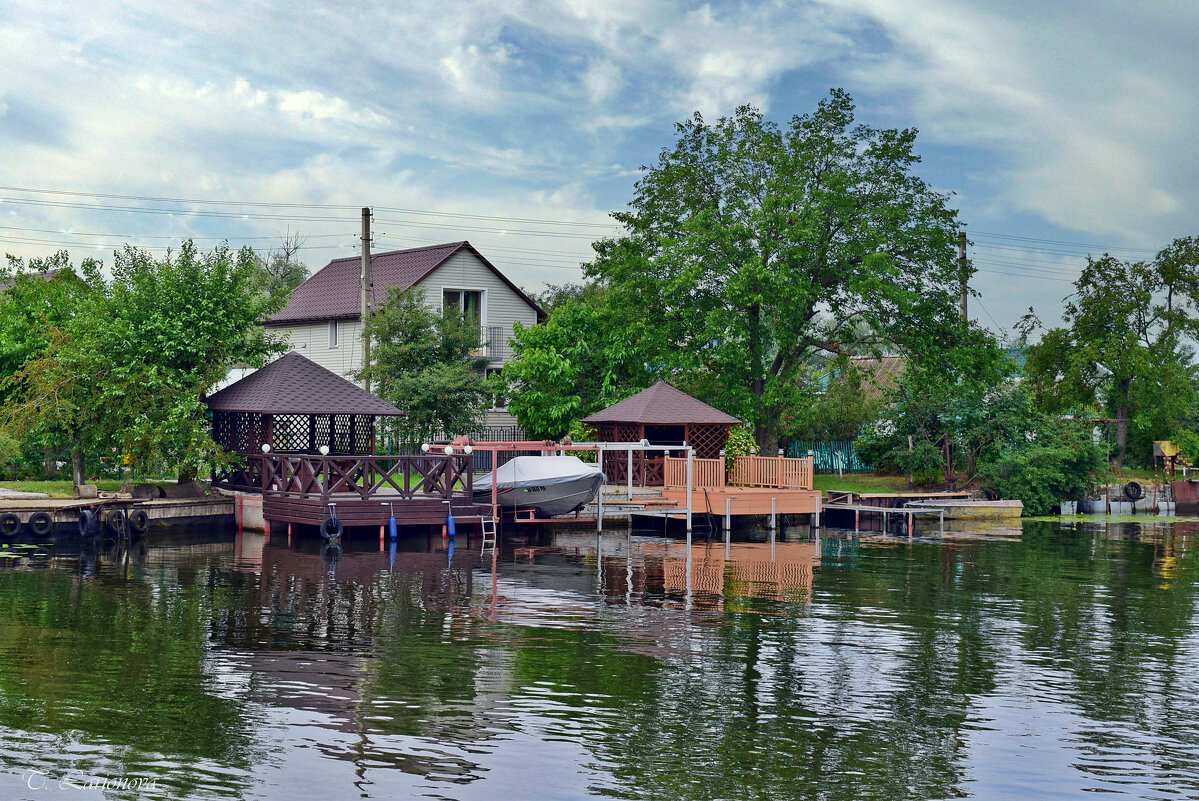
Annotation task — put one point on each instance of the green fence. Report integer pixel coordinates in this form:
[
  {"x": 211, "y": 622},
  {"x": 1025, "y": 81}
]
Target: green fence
[{"x": 830, "y": 456}]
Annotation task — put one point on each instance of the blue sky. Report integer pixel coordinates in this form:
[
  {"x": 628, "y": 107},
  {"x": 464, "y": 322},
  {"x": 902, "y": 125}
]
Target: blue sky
[{"x": 1062, "y": 128}]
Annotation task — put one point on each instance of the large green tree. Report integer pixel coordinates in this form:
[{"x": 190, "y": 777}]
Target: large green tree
[
  {"x": 428, "y": 364},
  {"x": 126, "y": 372},
  {"x": 751, "y": 247},
  {"x": 1127, "y": 347}
]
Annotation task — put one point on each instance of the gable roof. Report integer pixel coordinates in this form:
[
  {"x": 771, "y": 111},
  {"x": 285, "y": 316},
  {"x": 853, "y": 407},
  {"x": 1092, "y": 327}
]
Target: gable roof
[
  {"x": 294, "y": 385},
  {"x": 335, "y": 292},
  {"x": 661, "y": 404}
]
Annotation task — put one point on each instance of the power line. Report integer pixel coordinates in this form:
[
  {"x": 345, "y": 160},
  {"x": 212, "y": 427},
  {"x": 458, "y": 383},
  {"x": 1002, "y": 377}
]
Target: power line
[
  {"x": 1059, "y": 242},
  {"x": 62, "y": 204}
]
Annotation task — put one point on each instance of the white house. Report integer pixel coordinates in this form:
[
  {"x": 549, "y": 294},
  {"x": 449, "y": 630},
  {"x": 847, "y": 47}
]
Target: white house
[{"x": 322, "y": 317}]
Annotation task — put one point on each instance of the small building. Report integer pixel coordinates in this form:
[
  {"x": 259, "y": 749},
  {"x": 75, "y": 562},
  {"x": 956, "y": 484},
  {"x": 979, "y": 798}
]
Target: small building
[
  {"x": 322, "y": 318},
  {"x": 662, "y": 415}
]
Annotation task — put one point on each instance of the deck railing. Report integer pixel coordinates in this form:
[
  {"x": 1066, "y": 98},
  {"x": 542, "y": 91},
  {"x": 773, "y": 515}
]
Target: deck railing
[
  {"x": 748, "y": 471},
  {"x": 704, "y": 473},
  {"x": 355, "y": 477},
  {"x": 772, "y": 471}
]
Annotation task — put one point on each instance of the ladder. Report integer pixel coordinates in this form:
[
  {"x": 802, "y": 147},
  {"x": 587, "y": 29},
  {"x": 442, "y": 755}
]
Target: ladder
[{"x": 487, "y": 526}]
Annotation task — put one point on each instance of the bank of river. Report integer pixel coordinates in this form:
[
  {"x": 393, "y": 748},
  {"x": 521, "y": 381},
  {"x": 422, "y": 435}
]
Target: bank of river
[{"x": 1056, "y": 663}]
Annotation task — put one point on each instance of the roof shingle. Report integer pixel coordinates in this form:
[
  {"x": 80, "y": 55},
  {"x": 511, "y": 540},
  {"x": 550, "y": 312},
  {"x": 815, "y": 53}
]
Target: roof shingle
[
  {"x": 661, "y": 404},
  {"x": 335, "y": 291},
  {"x": 294, "y": 385}
]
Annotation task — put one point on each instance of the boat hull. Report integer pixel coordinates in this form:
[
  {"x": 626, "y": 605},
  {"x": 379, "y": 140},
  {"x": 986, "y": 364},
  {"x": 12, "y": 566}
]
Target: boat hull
[{"x": 547, "y": 500}]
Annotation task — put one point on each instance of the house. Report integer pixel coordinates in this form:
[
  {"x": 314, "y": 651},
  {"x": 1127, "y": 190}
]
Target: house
[{"x": 322, "y": 317}]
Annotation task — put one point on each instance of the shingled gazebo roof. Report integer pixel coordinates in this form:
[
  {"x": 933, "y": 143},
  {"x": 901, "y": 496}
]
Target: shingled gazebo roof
[
  {"x": 661, "y": 404},
  {"x": 295, "y": 385}
]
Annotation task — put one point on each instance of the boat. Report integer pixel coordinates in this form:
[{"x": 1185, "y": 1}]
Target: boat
[{"x": 547, "y": 485}]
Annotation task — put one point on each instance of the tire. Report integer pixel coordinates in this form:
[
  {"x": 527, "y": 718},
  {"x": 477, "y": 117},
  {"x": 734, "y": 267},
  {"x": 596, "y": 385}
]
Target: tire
[
  {"x": 1133, "y": 491},
  {"x": 41, "y": 524},
  {"x": 331, "y": 528},
  {"x": 87, "y": 523},
  {"x": 10, "y": 525},
  {"x": 139, "y": 521},
  {"x": 117, "y": 521}
]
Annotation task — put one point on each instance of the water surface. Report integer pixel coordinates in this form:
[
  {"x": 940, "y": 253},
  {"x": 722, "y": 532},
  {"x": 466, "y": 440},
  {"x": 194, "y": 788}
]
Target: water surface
[{"x": 1058, "y": 661}]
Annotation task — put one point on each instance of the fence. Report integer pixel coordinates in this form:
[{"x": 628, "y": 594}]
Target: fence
[
  {"x": 748, "y": 471},
  {"x": 830, "y": 456}
]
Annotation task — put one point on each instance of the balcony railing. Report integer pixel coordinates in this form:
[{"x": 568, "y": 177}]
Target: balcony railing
[{"x": 495, "y": 342}]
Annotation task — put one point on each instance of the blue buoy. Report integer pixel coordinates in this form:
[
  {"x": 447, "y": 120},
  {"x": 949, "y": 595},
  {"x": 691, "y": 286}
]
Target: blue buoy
[{"x": 449, "y": 525}]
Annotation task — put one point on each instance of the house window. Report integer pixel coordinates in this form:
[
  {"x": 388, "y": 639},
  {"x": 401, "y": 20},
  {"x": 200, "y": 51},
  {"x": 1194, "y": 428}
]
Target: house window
[
  {"x": 333, "y": 333},
  {"x": 467, "y": 302},
  {"x": 498, "y": 402}
]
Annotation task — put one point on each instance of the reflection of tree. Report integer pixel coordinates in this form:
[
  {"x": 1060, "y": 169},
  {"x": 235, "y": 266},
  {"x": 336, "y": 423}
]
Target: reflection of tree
[{"x": 120, "y": 663}]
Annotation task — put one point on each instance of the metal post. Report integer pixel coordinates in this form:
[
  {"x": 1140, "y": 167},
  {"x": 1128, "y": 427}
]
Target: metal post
[
  {"x": 910, "y": 524},
  {"x": 942, "y": 516},
  {"x": 599, "y": 498},
  {"x": 690, "y": 466},
  {"x": 630, "y": 475},
  {"x": 728, "y": 517},
  {"x": 856, "y": 514},
  {"x": 773, "y": 521}
]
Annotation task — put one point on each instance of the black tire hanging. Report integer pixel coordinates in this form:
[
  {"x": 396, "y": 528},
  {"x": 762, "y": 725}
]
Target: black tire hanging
[
  {"x": 139, "y": 521},
  {"x": 87, "y": 523},
  {"x": 10, "y": 525},
  {"x": 117, "y": 521},
  {"x": 41, "y": 524},
  {"x": 1133, "y": 491},
  {"x": 331, "y": 528}
]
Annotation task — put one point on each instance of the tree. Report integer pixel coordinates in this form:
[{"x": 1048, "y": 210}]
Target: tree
[
  {"x": 126, "y": 373},
  {"x": 426, "y": 364},
  {"x": 749, "y": 248},
  {"x": 1126, "y": 348},
  {"x": 281, "y": 270},
  {"x": 585, "y": 356}
]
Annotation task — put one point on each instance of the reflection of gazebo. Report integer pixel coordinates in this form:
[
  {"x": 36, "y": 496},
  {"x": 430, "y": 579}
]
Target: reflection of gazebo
[
  {"x": 296, "y": 406},
  {"x": 662, "y": 415}
]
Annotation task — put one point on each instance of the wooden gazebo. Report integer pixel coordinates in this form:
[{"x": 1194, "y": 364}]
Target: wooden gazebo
[
  {"x": 662, "y": 415},
  {"x": 296, "y": 406}
]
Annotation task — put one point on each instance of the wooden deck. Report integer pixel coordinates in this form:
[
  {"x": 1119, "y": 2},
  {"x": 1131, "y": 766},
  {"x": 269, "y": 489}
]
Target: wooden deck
[{"x": 746, "y": 500}]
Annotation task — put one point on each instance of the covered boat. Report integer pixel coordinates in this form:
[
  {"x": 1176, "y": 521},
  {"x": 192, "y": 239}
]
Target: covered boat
[{"x": 549, "y": 485}]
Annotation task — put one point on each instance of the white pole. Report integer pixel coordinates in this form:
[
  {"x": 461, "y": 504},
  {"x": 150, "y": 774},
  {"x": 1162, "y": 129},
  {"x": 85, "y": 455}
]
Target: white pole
[
  {"x": 599, "y": 505},
  {"x": 630, "y": 476},
  {"x": 773, "y": 521},
  {"x": 690, "y": 465}
]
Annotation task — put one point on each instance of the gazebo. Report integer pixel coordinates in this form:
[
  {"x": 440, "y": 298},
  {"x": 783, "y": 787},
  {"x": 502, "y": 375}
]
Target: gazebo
[
  {"x": 661, "y": 415},
  {"x": 296, "y": 406}
]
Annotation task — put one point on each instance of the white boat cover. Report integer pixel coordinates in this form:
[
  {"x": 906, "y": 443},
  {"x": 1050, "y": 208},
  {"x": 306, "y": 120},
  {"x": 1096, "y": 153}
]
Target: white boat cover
[{"x": 541, "y": 470}]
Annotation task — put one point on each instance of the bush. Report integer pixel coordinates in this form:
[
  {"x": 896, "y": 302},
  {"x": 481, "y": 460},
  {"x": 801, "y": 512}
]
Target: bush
[
  {"x": 740, "y": 443},
  {"x": 1060, "y": 463}
]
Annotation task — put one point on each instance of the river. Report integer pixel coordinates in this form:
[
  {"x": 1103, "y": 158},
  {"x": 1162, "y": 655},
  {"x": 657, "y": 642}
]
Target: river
[{"x": 1058, "y": 660}]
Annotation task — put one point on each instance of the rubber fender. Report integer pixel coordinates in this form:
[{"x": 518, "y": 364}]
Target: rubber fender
[
  {"x": 1133, "y": 491},
  {"x": 41, "y": 524},
  {"x": 139, "y": 521},
  {"x": 87, "y": 522},
  {"x": 449, "y": 526},
  {"x": 331, "y": 528},
  {"x": 10, "y": 525},
  {"x": 116, "y": 521}
]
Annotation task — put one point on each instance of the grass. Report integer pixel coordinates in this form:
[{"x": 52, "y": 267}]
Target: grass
[
  {"x": 58, "y": 489},
  {"x": 859, "y": 482}
]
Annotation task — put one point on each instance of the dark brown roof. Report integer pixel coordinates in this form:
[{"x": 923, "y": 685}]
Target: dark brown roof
[
  {"x": 295, "y": 385},
  {"x": 661, "y": 404},
  {"x": 335, "y": 291}
]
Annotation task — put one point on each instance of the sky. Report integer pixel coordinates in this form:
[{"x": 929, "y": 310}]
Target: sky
[{"x": 1060, "y": 128}]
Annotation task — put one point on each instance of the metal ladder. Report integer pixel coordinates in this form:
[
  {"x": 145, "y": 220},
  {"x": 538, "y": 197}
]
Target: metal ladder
[{"x": 487, "y": 527}]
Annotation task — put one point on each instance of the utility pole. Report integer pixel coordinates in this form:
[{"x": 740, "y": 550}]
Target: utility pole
[
  {"x": 366, "y": 292},
  {"x": 962, "y": 273}
]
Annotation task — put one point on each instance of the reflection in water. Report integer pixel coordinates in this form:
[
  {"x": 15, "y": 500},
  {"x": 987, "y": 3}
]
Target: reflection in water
[{"x": 1058, "y": 663}]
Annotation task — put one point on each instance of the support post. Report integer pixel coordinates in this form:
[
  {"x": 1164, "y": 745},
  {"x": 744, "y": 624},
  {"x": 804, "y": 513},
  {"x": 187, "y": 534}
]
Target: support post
[
  {"x": 690, "y": 466},
  {"x": 773, "y": 516},
  {"x": 728, "y": 518},
  {"x": 366, "y": 292},
  {"x": 962, "y": 274},
  {"x": 630, "y": 475},
  {"x": 599, "y": 497}
]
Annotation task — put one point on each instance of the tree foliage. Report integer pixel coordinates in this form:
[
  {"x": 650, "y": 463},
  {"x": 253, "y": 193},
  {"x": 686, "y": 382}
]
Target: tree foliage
[
  {"x": 749, "y": 248},
  {"x": 1127, "y": 347},
  {"x": 280, "y": 269},
  {"x": 427, "y": 364},
  {"x": 126, "y": 371}
]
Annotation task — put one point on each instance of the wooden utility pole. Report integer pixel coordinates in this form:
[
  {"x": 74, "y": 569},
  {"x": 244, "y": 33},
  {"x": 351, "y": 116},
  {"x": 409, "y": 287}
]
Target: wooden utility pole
[
  {"x": 962, "y": 274},
  {"x": 366, "y": 292}
]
